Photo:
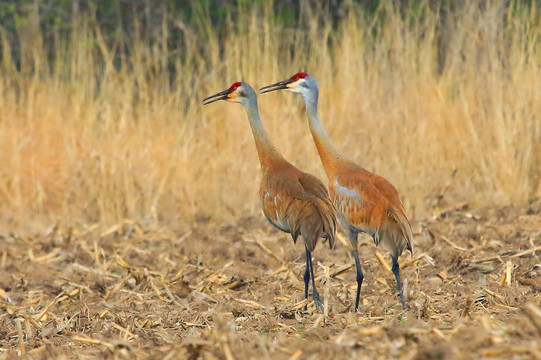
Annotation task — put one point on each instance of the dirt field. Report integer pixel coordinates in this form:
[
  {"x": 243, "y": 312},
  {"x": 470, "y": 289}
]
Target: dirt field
[{"x": 473, "y": 289}]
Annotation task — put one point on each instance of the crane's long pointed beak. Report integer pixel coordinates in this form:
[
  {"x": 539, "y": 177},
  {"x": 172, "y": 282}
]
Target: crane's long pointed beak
[
  {"x": 277, "y": 86},
  {"x": 219, "y": 96}
]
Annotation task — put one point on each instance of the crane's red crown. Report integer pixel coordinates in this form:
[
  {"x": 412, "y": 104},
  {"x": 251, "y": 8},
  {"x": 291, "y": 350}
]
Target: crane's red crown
[
  {"x": 234, "y": 86},
  {"x": 297, "y": 76}
]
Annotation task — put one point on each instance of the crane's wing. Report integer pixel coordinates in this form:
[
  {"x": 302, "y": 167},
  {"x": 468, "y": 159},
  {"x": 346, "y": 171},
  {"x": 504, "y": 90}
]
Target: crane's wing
[
  {"x": 399, "y": 231},
  {"x": 295, "y": 202},
  {"x": 366, "y": 208},
  {"x": 279, "y": 193},
  {"x": 397, "y": 214},
  {"x": 312, "y": 185},
  {"x": 316, "y": 191},
  {"x": 356, "y": 203}
]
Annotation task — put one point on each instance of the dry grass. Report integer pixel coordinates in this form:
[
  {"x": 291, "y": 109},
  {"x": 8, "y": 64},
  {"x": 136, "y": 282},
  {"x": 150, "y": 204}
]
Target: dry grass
[
  {"x": 143, "y": 291},
  {"x": 90, "y": 139}
]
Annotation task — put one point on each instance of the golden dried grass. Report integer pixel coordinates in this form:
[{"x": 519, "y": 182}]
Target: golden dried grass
[{"x": 87, "y": 139}]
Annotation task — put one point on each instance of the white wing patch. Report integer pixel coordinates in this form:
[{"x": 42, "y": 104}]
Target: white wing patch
[
  {"x": 348, "y": 193},
  {"x": 346, "y": 200},
  {"x": 351, "y": 200}
]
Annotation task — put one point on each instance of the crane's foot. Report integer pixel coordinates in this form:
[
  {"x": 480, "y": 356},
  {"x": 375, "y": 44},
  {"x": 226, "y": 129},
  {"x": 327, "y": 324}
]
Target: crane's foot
[
  {"x": 404, "y": 307},
  {"x": 318, "y": 300}
]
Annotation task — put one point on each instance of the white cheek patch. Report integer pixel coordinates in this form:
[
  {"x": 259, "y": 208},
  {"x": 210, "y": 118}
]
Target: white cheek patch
[{"x": 296, "y": 90}]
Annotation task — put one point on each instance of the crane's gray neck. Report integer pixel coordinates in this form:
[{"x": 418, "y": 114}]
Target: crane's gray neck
[
  {"x": 328, "y": 153},
  {"x": 265, "y": 148}
]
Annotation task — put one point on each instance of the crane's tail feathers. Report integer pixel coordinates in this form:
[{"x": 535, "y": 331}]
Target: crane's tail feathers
[
  {"x": 405, "y": 228},
  {"x": 327, "y": 213},
  {"x": 396, "y": 235},
  {"x": 317, "y": 220}
]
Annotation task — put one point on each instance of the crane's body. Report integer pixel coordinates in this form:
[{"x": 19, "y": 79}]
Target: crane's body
[
  {"x": 293, "y": 201},
  {"x": 297, "y": 203},
  {"x": 365, "y": 202}
]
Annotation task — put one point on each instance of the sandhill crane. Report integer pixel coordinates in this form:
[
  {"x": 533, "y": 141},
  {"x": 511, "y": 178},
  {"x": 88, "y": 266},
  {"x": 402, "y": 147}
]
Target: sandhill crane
[
  {"x": 293, "y": 201},
  {"x": 365, "y": 201}
]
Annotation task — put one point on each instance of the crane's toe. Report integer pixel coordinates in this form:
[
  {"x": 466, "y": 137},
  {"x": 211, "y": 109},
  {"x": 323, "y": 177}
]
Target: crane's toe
[{"x": 318, "y": 300}]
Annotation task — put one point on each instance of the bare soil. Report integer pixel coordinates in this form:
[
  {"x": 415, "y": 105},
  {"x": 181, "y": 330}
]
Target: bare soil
[{"x": 473, "y": 288}]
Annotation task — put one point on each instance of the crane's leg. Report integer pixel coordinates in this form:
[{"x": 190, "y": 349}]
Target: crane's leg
[
  {"x": 396, "y": 272},
  {"x": 307, "y": 274},
  {"x": 360, "y": 277},
  {"x": 352, "y": 235},
  {"x": 315, "y": 295}
]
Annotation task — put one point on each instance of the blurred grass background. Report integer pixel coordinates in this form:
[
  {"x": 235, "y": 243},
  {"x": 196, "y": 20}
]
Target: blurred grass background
[{"x": 101, "y": 117}]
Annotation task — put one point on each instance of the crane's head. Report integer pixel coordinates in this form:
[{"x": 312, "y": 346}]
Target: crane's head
[
  {"x": 300, "y": 83},
  {"x": 239, "y": 92}
]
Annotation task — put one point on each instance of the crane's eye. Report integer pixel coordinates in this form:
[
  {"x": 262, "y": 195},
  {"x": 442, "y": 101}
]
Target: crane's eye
[{"x": 241, "y": 93}]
